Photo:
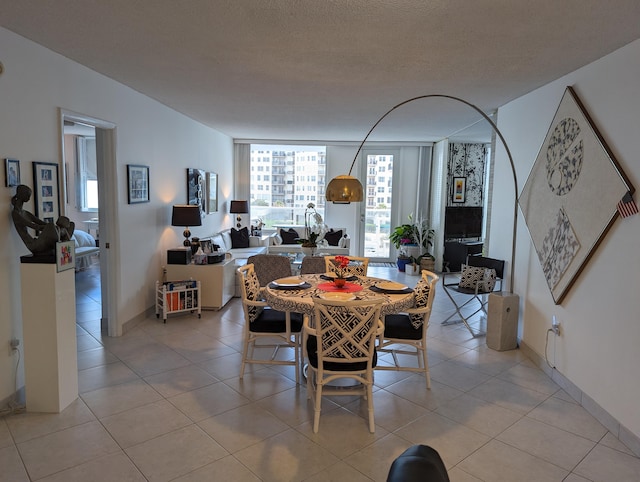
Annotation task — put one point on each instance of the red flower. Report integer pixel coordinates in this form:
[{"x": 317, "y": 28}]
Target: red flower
[{"x": 341, "y": 263}]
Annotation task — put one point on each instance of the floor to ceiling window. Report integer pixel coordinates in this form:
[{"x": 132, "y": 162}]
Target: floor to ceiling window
[{"x": 284, "y": 180}]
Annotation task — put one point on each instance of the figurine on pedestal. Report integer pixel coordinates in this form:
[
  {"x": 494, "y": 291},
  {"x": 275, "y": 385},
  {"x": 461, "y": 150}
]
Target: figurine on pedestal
[{"x": 43, "y": 244}]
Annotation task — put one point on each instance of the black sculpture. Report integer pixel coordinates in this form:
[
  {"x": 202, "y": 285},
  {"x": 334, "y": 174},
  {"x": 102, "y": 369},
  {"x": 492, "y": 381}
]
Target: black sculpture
[{"x": 46, "y": 234}]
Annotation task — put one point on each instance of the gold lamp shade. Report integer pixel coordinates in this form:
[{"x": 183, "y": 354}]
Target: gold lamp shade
[{"x": 344, "y": 189}]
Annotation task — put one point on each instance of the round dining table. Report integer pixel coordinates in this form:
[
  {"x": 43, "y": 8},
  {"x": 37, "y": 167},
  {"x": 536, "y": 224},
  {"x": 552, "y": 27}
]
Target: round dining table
[{"x": 299, "y": 299}]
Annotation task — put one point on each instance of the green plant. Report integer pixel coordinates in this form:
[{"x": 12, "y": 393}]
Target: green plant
[{"x": 417, "y": 232}]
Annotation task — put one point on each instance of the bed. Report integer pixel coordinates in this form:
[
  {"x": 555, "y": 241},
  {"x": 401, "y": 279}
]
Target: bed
[{"x": 85, "y": 248}]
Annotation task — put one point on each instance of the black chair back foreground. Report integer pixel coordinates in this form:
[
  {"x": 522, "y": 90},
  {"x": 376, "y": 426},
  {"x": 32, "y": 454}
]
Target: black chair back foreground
[
  {"x": 270, "y": 267},
  {"x": 419, "y": 463},
  {"x": 280, "y": 329},
  {"x": 479, "y": 277},
  {"x": 341, "y": 344},
  {"x": 406, "y": 333},
  {"x": 312, "y": 265}
]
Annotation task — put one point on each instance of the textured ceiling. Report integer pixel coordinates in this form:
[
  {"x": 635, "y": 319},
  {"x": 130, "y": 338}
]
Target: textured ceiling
[{"x": 328, "y": 69}]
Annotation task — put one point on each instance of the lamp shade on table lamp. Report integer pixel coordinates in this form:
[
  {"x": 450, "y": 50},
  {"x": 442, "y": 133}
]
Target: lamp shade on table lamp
[
  {"x": 186, "y": 215},
  {"x": 239, "y": 207}
]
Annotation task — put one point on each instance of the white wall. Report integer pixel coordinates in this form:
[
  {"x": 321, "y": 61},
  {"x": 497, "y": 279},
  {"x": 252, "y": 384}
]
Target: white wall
[
  {"x": 35, "y": 84},
  {"x": 598, "y": 350}
]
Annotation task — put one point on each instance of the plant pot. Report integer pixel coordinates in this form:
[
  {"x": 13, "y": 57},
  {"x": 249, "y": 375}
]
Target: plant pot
[
  {"x": 428, "y": 264},
  {"x": 308, "y": 250},
  {"x": 412, "y": 269},
  {"x": 402, "y": 263}
]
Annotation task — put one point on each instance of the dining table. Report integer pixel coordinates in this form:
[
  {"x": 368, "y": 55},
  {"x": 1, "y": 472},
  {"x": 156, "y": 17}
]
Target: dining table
[{"x": 296, "y": 294}]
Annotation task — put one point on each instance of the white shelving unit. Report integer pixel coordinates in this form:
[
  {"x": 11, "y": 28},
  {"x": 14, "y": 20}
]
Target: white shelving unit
[{"x": 177, "y": 297}]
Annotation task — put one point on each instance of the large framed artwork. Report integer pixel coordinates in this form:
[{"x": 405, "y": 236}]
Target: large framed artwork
[
  {"x": 570, "y": 198},
  {"x": 212, "y": 192},
  {"x": 137, "y": 184},
  {"x": 196, "y": 186},
  {"x": 46, "y": 191}
]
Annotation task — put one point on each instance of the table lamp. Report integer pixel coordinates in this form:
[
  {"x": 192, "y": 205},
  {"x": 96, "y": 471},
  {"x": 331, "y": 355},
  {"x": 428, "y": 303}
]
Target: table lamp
[
  {"x": 239, "y": 207},
  {"x": 186, "y": 215}
]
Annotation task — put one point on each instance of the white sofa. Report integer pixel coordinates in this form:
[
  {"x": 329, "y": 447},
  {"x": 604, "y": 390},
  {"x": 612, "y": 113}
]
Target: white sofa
[
  {"x": 257, "y": 245},
  {"x": 276, "y": 246}
]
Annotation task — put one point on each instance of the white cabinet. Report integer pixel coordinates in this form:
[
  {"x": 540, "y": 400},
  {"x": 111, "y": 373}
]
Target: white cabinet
[{"x": 217, "y": 281}]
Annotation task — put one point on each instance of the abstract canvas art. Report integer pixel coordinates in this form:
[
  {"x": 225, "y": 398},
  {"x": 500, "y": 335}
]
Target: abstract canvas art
[{"x": 570, "y": 198}]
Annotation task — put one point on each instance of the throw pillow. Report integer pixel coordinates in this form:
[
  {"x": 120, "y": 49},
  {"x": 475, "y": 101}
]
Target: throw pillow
[
  {"x": 333, "y": 237},
  {"x": 421, "y": 293},
  {"x": 276, "y": 240},
  {"x": 290, "y": 236},
  {"x": 484, "y": 278},
  {"x": 240, "y": 238}
]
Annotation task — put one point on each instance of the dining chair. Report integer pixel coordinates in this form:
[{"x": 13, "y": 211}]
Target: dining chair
[
  {"x": 406, "y": 333},
  {"x": 341, "y": 344},
  {"x": 357, "y": 265},
  {"x": 269, "y": 267},
  {"x": 479, "y": 277},
  {"x": 313, "y": 265},
  {"x": 281, "y": 329}
]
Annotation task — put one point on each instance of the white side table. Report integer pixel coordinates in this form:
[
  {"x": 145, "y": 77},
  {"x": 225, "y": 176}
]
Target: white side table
[{"x": 217, "y": 281}]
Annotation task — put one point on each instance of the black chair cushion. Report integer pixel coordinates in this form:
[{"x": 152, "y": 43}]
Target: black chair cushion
[
  {"x": 399, "y": 326},
  {"x": 312, "y": 353},
  {"x": 274, "y": 321},
  {"x": 418, "y": 463}
]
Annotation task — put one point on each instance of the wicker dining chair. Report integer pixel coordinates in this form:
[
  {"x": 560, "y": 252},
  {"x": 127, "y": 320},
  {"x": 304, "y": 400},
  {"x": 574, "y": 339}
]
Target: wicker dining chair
[
  {"x": 313, "y": 265},
  {"x": 280, "y": 329},
  {"x": 357, "y": 265},
  {"x": 406, "y": 333},
  {"x": 341, "y": 344}
]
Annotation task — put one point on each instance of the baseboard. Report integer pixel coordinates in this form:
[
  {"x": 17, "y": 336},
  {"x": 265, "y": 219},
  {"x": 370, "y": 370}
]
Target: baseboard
[
  {"x": 623, "y": 434},
  {"x": 136, "y": 320}
]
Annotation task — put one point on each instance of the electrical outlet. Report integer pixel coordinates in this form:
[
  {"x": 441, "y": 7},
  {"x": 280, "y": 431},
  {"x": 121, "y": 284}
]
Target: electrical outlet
[
  {"x": 14, "y": 343},
  {"x": 555, "y": 325}
]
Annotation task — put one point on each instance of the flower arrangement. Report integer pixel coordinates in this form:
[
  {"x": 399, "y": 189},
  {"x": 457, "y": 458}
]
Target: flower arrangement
[
  {"x": 314, "y": 227},
  {"x": 341, "y": 264}
]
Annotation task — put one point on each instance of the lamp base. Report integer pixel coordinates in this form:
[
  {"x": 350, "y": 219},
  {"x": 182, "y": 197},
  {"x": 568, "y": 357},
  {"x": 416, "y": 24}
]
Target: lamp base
[{"x": 187, "y": 234}]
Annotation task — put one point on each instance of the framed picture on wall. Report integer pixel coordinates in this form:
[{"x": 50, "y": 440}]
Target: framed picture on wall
[
  {"x": 65, "y": 255},
  {"x": 138, "y": 183},
  {"x": 12, "y": 172},
  {"x": 196, "y": 187},
  {"x": 212, "y": 192},
  {"x": 46, "y": 191},
  {"x": 459, "y": 189}
]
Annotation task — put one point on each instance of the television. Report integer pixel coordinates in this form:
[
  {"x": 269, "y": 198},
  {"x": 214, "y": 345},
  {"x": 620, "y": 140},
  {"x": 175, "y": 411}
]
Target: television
[{"x": 463, "y": 222}]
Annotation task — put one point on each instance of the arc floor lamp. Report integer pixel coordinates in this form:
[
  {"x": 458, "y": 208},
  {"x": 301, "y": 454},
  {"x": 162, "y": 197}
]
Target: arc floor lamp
[{"x": 347, "y": 188}]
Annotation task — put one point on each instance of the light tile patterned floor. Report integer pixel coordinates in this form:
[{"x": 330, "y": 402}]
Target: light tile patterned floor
[{"x": 164, "y": 402}]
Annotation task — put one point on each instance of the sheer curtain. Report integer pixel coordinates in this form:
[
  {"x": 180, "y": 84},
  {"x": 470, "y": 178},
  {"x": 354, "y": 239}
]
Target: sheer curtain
[{"x": 242, "y": 178}]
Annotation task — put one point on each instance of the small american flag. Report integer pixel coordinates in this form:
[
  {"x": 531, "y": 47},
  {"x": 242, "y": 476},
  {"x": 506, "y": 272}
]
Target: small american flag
[{"x": 626, "y": 206}]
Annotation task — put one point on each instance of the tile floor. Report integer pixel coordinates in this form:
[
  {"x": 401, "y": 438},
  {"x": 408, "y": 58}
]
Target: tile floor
[{"x": 164, "y": 402}]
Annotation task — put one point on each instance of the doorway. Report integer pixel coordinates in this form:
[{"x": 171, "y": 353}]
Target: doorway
[{"x": 101, "y": 217}]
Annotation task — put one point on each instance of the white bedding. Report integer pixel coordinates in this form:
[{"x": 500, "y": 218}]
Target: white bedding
[{"x": 85, "y": 247}]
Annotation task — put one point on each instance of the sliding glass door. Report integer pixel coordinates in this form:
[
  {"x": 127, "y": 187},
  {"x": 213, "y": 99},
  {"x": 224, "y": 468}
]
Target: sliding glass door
[{"x": 376, "y": 211}]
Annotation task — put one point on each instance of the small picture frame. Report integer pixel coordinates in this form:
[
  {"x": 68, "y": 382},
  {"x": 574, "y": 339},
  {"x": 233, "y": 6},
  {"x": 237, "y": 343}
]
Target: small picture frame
[
  {"x": 45, "y": 190},
  {"x": 12, "y": 172},
  {"x": 65, "y": 255},
  {"x": 459, "y": 189},
  {"x": 138, "y": 183},
  {"x": 212, "y": 192}
]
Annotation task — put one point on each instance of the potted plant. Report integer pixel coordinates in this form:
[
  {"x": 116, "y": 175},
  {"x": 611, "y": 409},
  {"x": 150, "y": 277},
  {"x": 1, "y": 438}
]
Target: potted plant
[
  {"x": 413, "y": 240},
  {"x": 314, "y": 229}
]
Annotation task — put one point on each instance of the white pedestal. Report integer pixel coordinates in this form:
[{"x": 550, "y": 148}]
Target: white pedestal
[
  {"x": 49, "y": 331},
  {"x": 502, "y": 321}
]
